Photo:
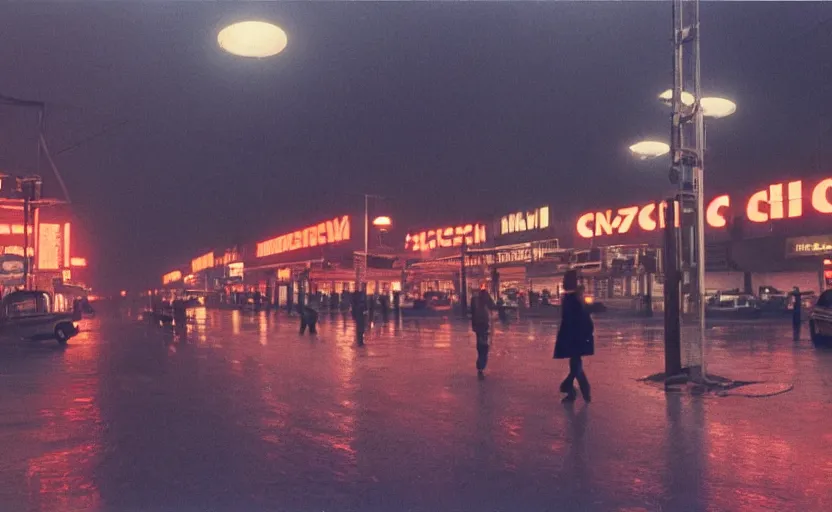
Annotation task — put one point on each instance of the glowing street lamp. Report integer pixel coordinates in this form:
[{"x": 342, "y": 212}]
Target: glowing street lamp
[
  {"x": 717, "y": 107},
  {"x": 688, "y": 99},
  {"x": 382, "y": 223},
  {"x": 256, "y": 39},
  {"x": 649, "y": 149}
]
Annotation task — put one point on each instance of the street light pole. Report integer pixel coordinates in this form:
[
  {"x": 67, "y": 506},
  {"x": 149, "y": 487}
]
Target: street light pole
[
  {"x": 687, "y": 171},
  {"x": 366, "y": 234},
  {"x": 699, "y": 176}
]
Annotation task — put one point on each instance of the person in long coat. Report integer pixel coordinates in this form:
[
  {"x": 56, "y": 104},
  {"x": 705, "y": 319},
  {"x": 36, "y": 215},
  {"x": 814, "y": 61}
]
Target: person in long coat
[
  {"x": 359, "y": 315},
  {"x": 575, "y": 338},
  {"x": 481, "y": 306}
]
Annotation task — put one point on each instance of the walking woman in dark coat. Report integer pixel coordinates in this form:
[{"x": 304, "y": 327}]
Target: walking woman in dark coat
[
  {"x": 575, "y": 337},
  {"x": 481, "y": 306}
]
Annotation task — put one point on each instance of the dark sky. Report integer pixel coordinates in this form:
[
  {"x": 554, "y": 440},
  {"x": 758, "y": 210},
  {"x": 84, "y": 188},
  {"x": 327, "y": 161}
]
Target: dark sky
[{"x": 447, "y": 108}]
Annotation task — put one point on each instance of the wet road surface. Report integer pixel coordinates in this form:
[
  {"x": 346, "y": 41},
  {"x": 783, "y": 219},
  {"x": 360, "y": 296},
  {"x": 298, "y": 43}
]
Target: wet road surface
[{"x": 246, "y": 415}]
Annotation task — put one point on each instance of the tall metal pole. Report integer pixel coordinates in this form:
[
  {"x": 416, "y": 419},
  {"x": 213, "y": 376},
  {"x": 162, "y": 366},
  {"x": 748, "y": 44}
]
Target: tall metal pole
[
  {"x": 463, "y": 280},
  {"x": 672, "y": 266},
  {"x": 699, "y": 126},
  {"x": 366, "y": 234},
  {"x": 687, "y": 171},
  {"x": 25, "y": 236}
]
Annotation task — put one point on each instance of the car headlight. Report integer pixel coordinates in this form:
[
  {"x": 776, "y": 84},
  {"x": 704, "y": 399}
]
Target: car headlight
[{"x": 75, "y": 325}]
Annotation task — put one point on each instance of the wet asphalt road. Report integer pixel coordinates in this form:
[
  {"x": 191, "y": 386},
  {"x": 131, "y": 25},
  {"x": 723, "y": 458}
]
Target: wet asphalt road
[{"x": 245, "y": 415}]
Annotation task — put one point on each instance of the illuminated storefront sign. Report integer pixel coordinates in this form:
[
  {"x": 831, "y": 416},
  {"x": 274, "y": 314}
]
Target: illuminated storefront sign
[
  {"x": 78, "y": 262},
  {"x": 50, "y": 247},
  {"x": 324, "y": 233},
  {"x": 203, "y": 262},
  {"x": 809, "y": 246},
  {"x": 784, "y": 200},
  {"x": 17, "y": 250},
  {"x": 648, "y": 217},
  {"x": 520, "y": 222},
  {"x": 227, "y": 259},
  {"x": 236, "y": 269},
  {"x": 472, "y": 234},
  {"x": 172, "y": 277},
  {"x": 13, "y": 229}
]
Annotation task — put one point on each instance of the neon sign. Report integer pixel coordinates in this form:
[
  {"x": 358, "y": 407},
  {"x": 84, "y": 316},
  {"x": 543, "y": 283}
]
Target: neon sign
[
  {"x": 172, "y": 277},
  {"x": 202, "y": 262},
  {"x": 49, "y": 247},
  {"x": 236, "y": 269},
  {"x": 78, "y": 262},
  {"x": 809, "y": 246},
  {"x": 647, "y": 217},
  {"x": 520, "y": 222},
  {"x": 777, "y": 201},
  {"x": 471, "y": 234},
  {"x": 324, "y": 233},
  {"x": 13, "y": 229},
  {"x": 227, "y": 259}
]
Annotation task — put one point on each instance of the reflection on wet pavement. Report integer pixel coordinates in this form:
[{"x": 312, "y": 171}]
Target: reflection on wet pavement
[{"x": 242, "y": 413}]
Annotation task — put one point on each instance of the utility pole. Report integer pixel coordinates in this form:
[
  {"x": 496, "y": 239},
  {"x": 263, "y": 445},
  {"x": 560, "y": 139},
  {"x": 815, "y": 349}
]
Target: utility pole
[
  {"x": 463, "y": 280},
  {"x": 687, "y": 125},
  {"x": 366, "y": 234}
]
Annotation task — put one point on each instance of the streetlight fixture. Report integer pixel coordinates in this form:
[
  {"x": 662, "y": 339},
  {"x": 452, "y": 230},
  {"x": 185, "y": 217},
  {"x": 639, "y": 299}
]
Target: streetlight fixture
[
  {"x": 649, "y": 149},
  {"x": 717, "y": 108},
  {"x": 255, "y": 39},
  {"x": 382, "y": 223},
  {"x": 688, "y": 99}
]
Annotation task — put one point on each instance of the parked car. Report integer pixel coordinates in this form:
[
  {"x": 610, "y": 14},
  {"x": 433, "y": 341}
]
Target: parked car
[
  {"x": 29, "y": 315},
  {"x": 732, "y": 303},
  {"x": 820, "y": 320}
]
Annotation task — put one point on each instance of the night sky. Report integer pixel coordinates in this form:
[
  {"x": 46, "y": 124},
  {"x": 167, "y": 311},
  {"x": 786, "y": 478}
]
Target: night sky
[{"x": 448, "y": 109}]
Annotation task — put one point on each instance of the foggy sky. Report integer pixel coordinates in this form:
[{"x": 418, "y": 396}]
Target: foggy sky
[{"x": 450, "y": 109}]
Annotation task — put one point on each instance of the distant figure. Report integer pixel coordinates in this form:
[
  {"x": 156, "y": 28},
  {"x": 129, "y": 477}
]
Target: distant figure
[
  {"x": 501, "y": 310},
  {"x": 180, "y": 315},
  {"x": 77, "y": 310},
  {"x": 258, "y": 300},
  {"x": 371, "y": 308},
  {"x": 796, "y": 313},
  {"x": 481, "y": 306},
  {"x": 575, "y": 338},
  {"x": 385, "y": 307},
  {"x": 359, "y": 315},
  {"x": 397, "y": 303},
  {"x": 309, "y": 315},
  {"x": 86, "y": 307}
]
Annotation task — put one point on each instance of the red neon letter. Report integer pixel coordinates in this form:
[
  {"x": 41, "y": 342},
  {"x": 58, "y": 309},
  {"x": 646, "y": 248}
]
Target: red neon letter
[
  {"x": 584, "y": 231},
  {"x": 820, "y": 196},
  {"x": 713, "y": 216}
]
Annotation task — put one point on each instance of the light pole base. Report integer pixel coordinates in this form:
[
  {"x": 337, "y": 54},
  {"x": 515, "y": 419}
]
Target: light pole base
[{"x": 693, "y": 380}]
